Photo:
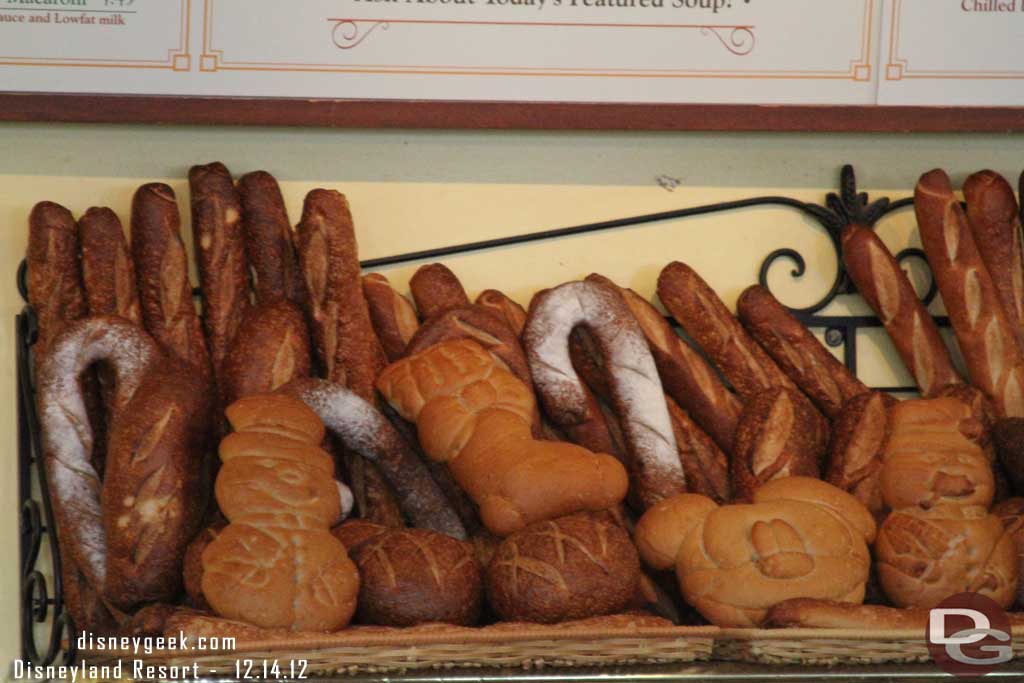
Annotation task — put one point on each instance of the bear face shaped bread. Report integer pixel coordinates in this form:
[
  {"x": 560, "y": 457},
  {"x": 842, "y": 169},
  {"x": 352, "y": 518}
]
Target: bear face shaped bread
[{"x": 800, "y": 537}]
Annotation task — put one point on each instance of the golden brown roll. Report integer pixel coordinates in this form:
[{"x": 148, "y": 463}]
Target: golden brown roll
[
  {"x": 924, "y": 556},
  {"x": 800, "y": 537},
  {"x": 583, "y": 565}
]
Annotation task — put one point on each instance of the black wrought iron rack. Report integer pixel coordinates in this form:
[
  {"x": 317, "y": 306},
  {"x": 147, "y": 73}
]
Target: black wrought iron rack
[{"x": 38, "y": 605}]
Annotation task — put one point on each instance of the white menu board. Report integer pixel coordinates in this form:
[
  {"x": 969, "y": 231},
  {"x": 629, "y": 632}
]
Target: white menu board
[
  {"x": 952, "y": 52},
  {"x": 729, "y": 51}
]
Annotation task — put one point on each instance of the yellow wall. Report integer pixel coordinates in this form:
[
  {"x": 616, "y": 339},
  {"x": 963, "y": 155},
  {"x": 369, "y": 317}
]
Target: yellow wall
[{"x": 414, "y": 190}]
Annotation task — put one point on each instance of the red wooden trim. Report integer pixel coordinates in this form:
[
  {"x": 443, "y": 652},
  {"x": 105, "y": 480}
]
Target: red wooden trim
[{"x": 503, "y": 115}]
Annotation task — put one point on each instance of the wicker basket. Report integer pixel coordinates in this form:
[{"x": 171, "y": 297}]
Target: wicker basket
[
  {"x": 359, "y": 652},
  {"x": 828, "y": 647}
]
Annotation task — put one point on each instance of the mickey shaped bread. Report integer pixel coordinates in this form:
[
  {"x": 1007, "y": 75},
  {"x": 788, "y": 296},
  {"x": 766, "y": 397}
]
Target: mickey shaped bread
[{"x": 800, "y": 537}]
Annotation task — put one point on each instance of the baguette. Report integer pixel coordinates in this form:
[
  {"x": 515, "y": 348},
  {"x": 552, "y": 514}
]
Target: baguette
[
  {"x": 994, "y": 218},
  {"x": 994, "y": 361},
  {"x": 107, "y": 270},
  {"x": 859, "y": 436},
  {"x": 342, "y": 332},
  {"x": 393, "y": 316},
  {"x": 686, "y": 376},
  {"x": 705, "y": 466},
  {"x": 513, "y": 313},
  {"x": 435, "y": 289},
  {"x": 219, "y": 238},
  {"x": 161, "y": 266},
  {"x": 801, "y": 356},
  {"x": 269, "y": 241},
  {"x": 887, "y": 290},
  {"x": 706, "y": 319},
  {"x": 270, "y": 350}
]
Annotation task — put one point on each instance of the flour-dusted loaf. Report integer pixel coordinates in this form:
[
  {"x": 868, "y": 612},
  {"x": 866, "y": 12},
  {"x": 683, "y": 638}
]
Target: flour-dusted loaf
[
  {"x": 637, "y": 396},
  {"x": 583, "y": 565},
  {"x": 128, "y": 535},
  {"x": 276, "y": 564}
]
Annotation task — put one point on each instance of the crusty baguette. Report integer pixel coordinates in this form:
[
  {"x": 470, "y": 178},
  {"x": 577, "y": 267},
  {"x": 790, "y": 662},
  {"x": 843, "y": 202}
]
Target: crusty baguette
[
  {"x": 342, "y": 331},
  {"x": 994, "y": 360},
  {"x": 54, "y": 276},
  {"x": 219, "y": 238},
  {"x": 270, "y": 350},
  {"x": 686, "y": 376},
  {"x": 513, "y": 313},
  {"x": 995, "y": 223},
  {"x": 161, "y": 267},
  {"x": 887, "y": 290},
  {"x": 56, "y": 295},
  {"x": 269, "y": 241},
  {"x": 808, "y": 363},
  {"x": 706, "y": 319},
  {"x": 435, "y": 289},
  {"x": 107, "y": 269},
  {"x": 393, "y": 316},
  {"x": 859, "y": 435},
  {"x": 704, "y": 464}
]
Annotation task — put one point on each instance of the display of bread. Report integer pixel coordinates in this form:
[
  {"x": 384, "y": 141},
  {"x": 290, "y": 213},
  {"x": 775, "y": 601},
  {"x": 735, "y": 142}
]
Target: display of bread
[
  {"x": 799, "y": 537},
  {"x": 508, "y": 464},
  {"x": 276, "y": 564}
]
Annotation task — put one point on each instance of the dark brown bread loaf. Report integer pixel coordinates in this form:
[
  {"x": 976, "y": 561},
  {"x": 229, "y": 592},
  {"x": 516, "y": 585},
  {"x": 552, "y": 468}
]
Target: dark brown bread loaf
[
  {"x": 416, "y": 576},
  {"x": 798, "y": 352},
  {"x": 393, "y": 316},
  {"x": 859, "y": 435},
  {"x": 513, "y": 313},
  {"x": 779, "y": 435},
  {"x": 107, "y": 269},
  {"x": 994, "y": 361},
  {"x": 219, "y": 238},
  {"x": 435, "y": 289},
  {"x": 994, "y": 218},
  {"x": 1008, "y": 435},
  {"x": 886, "y": 288},
  {"x": 270, "y": 350},
  {"x": 705, "y": 465},
  {"x": 583, "y": 565},
  {"x": 269, "y": 241},
  {"x": 161, "y": 267}
]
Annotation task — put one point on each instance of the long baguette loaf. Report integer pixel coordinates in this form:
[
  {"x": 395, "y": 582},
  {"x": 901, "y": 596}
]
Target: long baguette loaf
[
  {"x": 705, "y": 466},
  {"x": 56, "y": 295},
  {"x": 161, "y": 266},
  {"x": 393, "y": 316},
  {"x": 435, "y": 289},
  {"x": 107, "y": 269},
  {"x": 994, "y": 360},
  {"x": 800, "y": 355},
  {"x": 219, "y": 237},
  {"x": 859, "y": 435},
  {"x": 342, "y": 331},
  {"x": 887, "y": 290},
  {"x": 269, "y": 241},
  {"x": 814, "y": 613},
  {"x": 706, "y": 319},
  {"x": 686, "y": 376},
  {"x": 996, "y": 226}
]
